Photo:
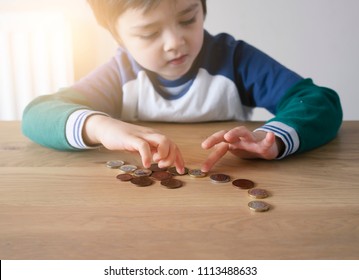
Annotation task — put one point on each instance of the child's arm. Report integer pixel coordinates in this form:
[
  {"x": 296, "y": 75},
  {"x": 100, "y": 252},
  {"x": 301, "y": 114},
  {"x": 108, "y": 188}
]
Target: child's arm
[
  {"x": 313, "y": 113},
  {"x": 151, "y": 144},
  {"x": 68, "y": 120}
]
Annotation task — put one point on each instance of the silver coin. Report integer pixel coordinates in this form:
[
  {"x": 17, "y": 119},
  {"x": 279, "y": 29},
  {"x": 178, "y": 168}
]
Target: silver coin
[
  {"x": 196, "y": 173},
  {"x": 115, "y": 163},
  {"x": 142, "y": 172},
  {"x": 258, "y": 206},
  {"x": 258, "y": 193},
  {"x": 128, "y": 168}
]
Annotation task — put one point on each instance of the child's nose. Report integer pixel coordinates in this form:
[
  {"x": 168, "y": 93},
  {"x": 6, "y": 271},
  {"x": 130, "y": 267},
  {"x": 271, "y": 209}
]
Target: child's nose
[{"x": 173, "y": 39}]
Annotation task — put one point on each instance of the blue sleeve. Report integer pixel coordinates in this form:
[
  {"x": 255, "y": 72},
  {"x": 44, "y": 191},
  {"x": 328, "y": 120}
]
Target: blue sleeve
[{"x": 261, "y": 80}]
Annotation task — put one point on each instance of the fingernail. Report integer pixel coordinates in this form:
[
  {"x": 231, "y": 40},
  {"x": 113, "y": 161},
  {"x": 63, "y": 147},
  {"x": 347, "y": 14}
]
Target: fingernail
[{"x": 180, "y": 170}]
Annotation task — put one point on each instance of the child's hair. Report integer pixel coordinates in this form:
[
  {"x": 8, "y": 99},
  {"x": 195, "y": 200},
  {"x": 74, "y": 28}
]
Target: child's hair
[{"x": 108, "y": 11}]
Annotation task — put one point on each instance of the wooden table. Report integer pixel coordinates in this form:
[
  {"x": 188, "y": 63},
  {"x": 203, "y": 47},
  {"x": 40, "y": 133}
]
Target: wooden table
[{"x": 69, "y": 205}]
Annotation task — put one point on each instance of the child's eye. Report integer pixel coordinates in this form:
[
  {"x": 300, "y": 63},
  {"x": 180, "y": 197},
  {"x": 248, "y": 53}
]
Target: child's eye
[
  {"x": 148, "y": 36},
  {"x": 188, "y": 22}
]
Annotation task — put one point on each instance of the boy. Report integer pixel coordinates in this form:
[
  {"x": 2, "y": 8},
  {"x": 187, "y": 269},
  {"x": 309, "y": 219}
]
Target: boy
[{"x": 168, "y": 68}]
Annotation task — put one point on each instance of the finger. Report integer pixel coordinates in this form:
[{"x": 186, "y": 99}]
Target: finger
[
  {"x": 239, "y": 133},
  {"x": 214, "y": 139},
  {"x": 219, "y": 151},
  {"x": 265, "y": 148},
  {"x": 144, "y": 150},
  {"x": 164, "y": 147},
  {"x": 269, "y": 140},
  {"x": 171, "y": 157},
  {"x": 161, "y": 144},
  {"x": 179, "y": 163}
]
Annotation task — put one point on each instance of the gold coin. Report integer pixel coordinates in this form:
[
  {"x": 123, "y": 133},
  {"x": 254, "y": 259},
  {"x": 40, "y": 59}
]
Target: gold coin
[
  {"x": 258, "y": 193},
  {"x": 196, "y": 173},
  {"x": 258, "y": 206}
]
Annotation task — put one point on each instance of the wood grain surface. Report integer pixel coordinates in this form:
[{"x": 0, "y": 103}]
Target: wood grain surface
[{"x": 69, "y": 205}]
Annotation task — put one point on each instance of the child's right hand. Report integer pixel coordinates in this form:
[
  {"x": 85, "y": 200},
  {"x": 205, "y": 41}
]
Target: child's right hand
[{"x": 151, "y": 144}]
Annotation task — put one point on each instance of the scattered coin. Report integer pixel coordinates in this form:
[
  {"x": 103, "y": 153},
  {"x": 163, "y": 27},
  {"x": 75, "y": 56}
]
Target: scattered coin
[
  {"x": 172, "y": 170},
  {"x": 258, "y": 193},
  {"x": 141, "y": 181},
  {"x": 258, "y": 206},
  {"x": 196, "y": 173},
  {"x": 161, "y": 175},
  {"x": 171, "y": 183},
  {"x": 115, "y": 163},
  {"x": 142, "y": 172},
  {"x": 124, "y": 177},
  {"x": 220, "y": 178},
  {"x": 128, "y": 168},
  {"x": 243, "y": 184},
  {"x": 141, "y": 178},
  {"x": 154, "y": 167}
]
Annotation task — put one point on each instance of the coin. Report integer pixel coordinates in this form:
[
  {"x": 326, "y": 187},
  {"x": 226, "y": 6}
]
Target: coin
[
  {"x": 142, "y": 172},
  {"x": 258, "y": 193},
  {"x": 154, "y": 167},
  {"x": 258, "y": 206},
  {"x": 196, "y": 173},
  {"x": 128, "y": 168},
  {"x": 220, "y": 178},
  {"x": 124, "y": 177},
  {"x": 115, "y": 163},
  {"x": 243, "y": 184},
  {"x": 141, "y": 181},
  {"x": 172, "y": 170},
  {"x": 171, "y": 183},
  {"x": 161, "y": 175}
]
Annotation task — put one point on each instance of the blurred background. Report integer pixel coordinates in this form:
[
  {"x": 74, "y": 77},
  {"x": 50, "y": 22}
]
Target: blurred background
[{"x": 49, "y": 44}]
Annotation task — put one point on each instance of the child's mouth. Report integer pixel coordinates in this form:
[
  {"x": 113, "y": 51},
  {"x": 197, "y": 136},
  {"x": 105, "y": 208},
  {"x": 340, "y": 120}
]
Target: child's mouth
[{"x": 179, "y": 60}]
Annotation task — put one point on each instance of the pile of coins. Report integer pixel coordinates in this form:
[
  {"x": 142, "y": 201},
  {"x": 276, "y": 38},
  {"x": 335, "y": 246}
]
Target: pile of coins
[{"x": 146, "y": 177}]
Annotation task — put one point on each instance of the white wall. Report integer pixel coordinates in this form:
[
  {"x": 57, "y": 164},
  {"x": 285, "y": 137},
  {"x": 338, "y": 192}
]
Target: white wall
[{"x": 317, "y": 39}]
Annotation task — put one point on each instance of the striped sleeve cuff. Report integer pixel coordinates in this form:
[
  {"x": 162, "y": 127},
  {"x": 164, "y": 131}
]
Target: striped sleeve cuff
[
  {"x": 74, "y": 127},
  {"x": 286, "y": 133}
]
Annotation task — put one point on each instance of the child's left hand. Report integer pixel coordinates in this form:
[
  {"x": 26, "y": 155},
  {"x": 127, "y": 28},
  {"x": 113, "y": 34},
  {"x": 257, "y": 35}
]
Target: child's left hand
[{"x": 243, "y": 143}]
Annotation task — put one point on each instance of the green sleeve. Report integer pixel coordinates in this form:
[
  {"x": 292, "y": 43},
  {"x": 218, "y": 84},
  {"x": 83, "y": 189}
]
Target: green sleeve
[
  {"x": 314, "y": 112},
  {"x": 44, "y": 119}
]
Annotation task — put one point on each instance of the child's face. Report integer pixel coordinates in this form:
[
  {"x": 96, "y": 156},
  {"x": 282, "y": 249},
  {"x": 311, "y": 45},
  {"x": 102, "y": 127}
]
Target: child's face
[{"x": 165, "y": 39}]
